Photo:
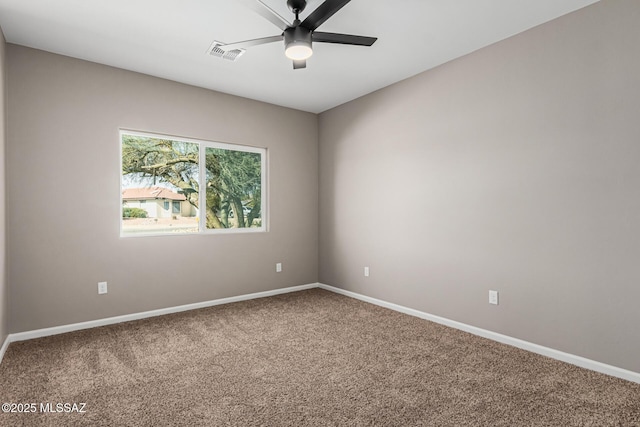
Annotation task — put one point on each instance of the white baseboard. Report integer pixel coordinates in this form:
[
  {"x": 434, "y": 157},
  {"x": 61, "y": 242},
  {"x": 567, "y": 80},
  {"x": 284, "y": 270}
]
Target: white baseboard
[
  {"x": 4, "y": 347},
  {"x": 525, "y": 345},
  {"x": 22, "y": 336}
]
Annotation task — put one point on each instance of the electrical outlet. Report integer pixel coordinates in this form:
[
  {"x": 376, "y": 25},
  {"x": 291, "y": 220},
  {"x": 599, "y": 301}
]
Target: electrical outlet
[
  {"x": 493, "y": 297},
  {"x": 102, "y": 288},
  {"x": 278, "y": 267},
  {"x": 366, "y": 272}
]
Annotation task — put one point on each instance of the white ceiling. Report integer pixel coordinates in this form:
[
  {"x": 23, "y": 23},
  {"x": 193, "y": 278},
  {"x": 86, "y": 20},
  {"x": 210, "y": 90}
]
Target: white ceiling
[{"x": 170, "y": 39}]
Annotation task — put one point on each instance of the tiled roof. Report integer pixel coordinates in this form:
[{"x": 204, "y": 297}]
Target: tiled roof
[{"x": 151, "y": 193}]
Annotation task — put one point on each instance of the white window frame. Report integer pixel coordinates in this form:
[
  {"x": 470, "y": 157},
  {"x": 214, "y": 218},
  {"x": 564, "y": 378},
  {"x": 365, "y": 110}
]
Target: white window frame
[{"x": 202, "y": 208}]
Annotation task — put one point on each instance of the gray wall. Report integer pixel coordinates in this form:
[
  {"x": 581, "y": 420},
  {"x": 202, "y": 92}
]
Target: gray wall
[
  {"x": 63, "y": 194},
  {"x": 4, "y": 289},
  {"x": 515, "y": 168}
]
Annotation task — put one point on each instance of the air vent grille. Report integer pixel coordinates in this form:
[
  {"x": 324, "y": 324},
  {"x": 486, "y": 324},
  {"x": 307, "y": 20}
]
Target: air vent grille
[{"x": 217, "y": 50}]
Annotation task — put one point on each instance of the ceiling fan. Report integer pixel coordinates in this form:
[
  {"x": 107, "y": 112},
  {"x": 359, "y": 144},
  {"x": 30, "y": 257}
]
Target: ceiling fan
[{"x": 299, "y": 35}]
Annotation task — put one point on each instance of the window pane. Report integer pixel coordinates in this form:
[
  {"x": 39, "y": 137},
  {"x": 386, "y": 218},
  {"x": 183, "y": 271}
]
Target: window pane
[
  {"x": 155, "y": 171},
  {"x": 233, "y": 188}
]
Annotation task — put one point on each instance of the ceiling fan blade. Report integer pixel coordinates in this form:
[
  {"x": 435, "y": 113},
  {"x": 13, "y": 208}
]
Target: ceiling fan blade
[
  {"x": 343, "y": 39},
  {"x": 299, "y": 64},
  {"x": 323, "y": 12},
  {"x": 267, "y": 13},
  {"x": 248, "y": 43}
]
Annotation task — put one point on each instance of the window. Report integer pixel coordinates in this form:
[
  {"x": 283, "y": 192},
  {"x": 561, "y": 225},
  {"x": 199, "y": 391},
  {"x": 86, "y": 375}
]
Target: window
[{"x": 161, "y": 173}]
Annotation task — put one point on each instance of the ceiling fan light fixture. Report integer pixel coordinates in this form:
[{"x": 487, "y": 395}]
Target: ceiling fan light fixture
[
  {"x": 298, "y": 51},
  {"x": 297, "y": 43}
]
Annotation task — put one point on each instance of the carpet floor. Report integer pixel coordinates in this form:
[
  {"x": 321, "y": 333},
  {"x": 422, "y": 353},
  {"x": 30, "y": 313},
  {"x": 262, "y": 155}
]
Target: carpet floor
[{"x": 310, "y": 358}]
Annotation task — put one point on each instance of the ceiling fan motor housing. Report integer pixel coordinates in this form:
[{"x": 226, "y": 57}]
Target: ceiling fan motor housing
[
  {"x": 297, "y": 34},
  {"x": 297, "y": 42}
]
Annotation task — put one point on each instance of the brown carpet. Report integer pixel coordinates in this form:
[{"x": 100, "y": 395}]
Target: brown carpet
[{"x": 311, "y": 358}]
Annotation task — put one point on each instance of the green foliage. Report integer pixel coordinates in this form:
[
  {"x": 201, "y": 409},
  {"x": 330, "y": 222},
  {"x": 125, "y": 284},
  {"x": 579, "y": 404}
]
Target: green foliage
[
  {"x": 153, "y": 161},
  {"x": 233, "y": 181},
  {"x": 133, "y": 213}
]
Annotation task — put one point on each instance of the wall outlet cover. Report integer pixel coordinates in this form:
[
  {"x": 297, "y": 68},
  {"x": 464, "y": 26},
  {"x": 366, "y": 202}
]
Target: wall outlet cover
[
  {"x": 493, "y": 297},
  {"x": 102, "y": 288}
]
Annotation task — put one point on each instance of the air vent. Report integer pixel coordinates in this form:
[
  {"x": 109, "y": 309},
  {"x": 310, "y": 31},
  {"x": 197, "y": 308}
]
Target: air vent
[{"x": 217, "y": 49}]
